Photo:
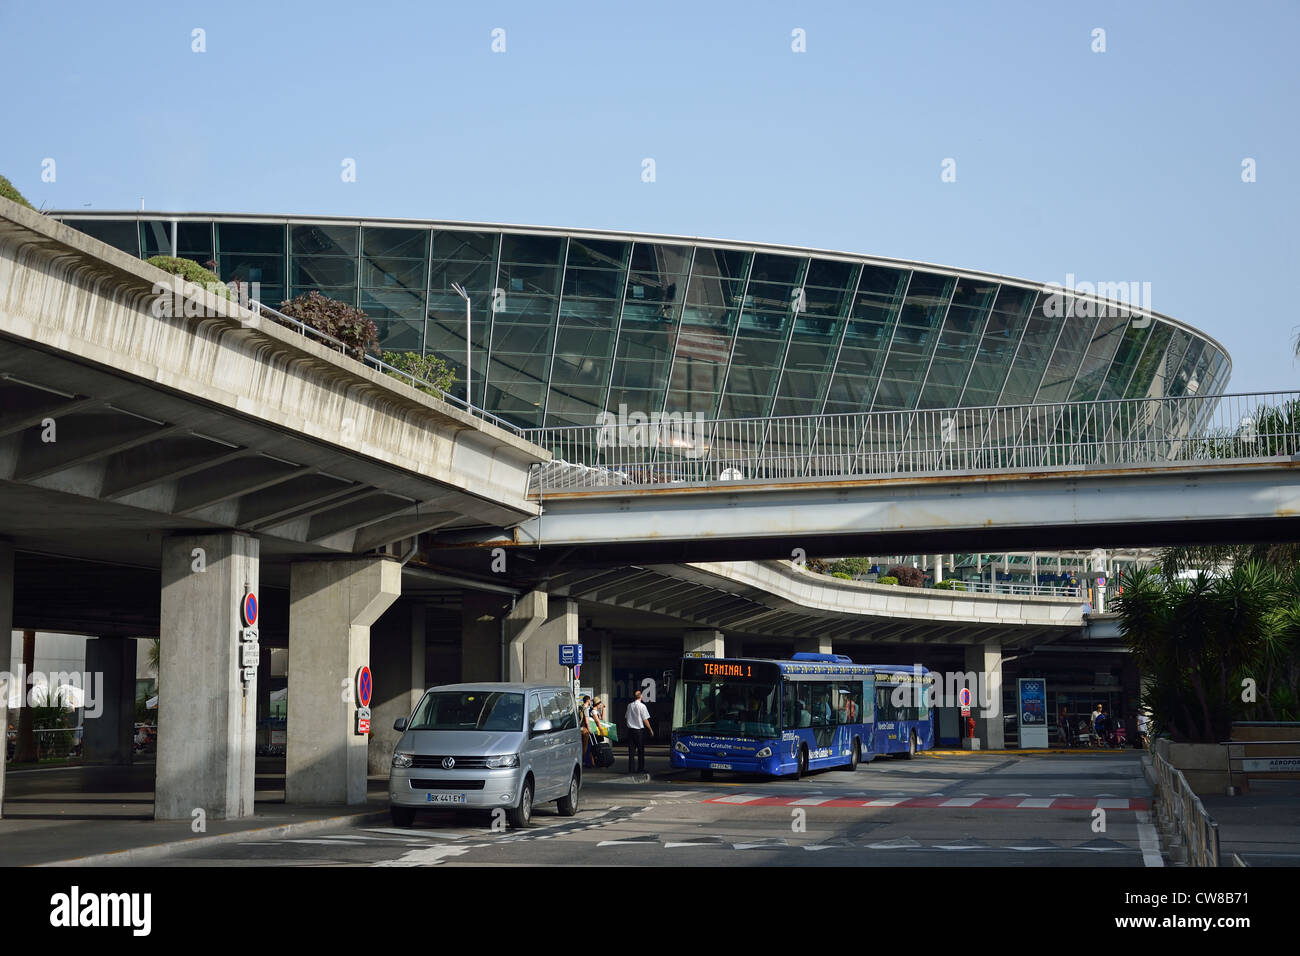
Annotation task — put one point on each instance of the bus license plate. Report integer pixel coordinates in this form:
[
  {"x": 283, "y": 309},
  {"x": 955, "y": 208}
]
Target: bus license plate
[
  {"x": 445, "y": 798},
  {"x": 719, "y": 766}
]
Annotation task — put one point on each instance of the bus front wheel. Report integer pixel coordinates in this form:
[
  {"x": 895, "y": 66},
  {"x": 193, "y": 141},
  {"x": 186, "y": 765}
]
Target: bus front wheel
[
  {"x": 911, "y": 747},
  {"x": 801, "y": 768},
  {"x": 706, "y": 774}
]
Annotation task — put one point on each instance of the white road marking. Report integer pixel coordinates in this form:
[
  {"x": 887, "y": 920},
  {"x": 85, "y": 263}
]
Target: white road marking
[
  {"x": 426, "y": 856},
  {"x": 1148, "y": 840},
  {"x": 810, "y": 801},
  {"x": 1039, "y": 803},
  {"x": 961, "y": 802},
  {"x": 1017, "y": 794},
  {"x": 439, "y": 834},
  {"x": 1055, "y": 794},
  {"x": 888, "y": 802},
  {"x": 1113, "y": 804},
  {"x": 739, "y": 798}
]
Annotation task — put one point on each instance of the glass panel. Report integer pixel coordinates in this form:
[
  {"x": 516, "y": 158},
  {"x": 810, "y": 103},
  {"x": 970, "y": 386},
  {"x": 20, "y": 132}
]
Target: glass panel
[
  {"x": 1076, "y": 334},
  {"x": 250, "y": 237},
  {"x": 318, "y": 240},
  {"x": 766, "y": 323},
  {"x": 971, "y": 302},
  {"x": 252, "y": 252},
  {"x": 117, "y": 233},
  {"x": 194, "y": 241},
  {"x": 914, "y": 340},
  {"x": 828, "y": 292},
  {"x": 394, "y": 258},
  {"x": 1126, "y": 356},
  {"x": 1101, "y": 350},
  {"x": 875, "y": 312},
  {"x": 584, "y": 341},
  {"x": 1035, "y": 348},
  {"x": 1147, "y": 372},
  {"x": 997, "y": 346},
  {"x": 467, "y": 258},
  {"x": 651, "y": 312},
  {"x": 708, "y": 323},
  {"x": 523, "y": 327},
  {"x": 155, "y": 238},
  {"x": 324, "y": 271}
]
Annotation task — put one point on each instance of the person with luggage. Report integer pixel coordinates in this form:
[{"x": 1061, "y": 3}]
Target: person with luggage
[{"x": 638, "y": 727}]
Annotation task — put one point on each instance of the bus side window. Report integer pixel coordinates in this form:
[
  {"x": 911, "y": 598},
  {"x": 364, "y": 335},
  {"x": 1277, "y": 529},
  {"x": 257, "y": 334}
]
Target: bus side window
[{"x": 869, "y": 702}]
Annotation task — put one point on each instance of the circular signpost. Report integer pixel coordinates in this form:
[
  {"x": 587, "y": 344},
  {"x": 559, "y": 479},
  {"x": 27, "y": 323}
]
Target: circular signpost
[
  {"x": 248, "y": 609},
  {"x": 364, "y": 686}
]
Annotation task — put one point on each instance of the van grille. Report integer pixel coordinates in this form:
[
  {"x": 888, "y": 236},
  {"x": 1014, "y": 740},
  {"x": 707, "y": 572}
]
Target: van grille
[
  {"x": 446, "y": 784},
  {"x": 462, "y": 763}
]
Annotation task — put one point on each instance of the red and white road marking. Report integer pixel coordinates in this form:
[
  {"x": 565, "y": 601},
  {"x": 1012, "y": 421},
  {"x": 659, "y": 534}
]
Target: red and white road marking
[{"x": 915, "y": 803}]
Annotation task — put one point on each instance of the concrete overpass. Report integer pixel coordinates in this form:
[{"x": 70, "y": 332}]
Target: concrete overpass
[{"x": 200, "y": 444}]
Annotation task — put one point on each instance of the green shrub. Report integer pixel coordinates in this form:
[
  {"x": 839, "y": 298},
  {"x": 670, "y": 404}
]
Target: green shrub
[
  {"x": 430, "y": 368},
  {"x": 842, "y": 575},
  {"x": 887, "y": 580},
  {"x": 191, "y": 271},
  {"x": 852, "y": 566},
  {"x": 950, "y": 585},
  {"x": 344, "y": 322},
  {"x": 7, "y": 190}
]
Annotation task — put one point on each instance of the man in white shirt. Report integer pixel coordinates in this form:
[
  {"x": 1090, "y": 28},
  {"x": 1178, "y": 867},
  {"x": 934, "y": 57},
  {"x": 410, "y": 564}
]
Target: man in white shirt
[{"x": 638, "y": 726}]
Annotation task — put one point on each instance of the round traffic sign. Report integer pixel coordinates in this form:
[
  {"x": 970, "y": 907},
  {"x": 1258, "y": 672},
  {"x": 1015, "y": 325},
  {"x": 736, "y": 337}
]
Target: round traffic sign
[
  {"x": 364, "y": 686},
  {"x": 964, "y": 697},
  {"x": 248, "y": 609}
]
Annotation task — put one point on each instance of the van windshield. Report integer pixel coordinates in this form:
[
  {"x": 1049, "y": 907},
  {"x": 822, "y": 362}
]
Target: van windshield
[{"x": 469, "y": 710}]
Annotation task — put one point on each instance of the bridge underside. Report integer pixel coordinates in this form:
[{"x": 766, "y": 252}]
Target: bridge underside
[{"x": 1252, "y": 501}]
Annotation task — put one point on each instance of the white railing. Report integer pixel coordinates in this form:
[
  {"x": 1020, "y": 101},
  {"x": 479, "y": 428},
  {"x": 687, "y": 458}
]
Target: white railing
[{"x": 681, "y": 450}]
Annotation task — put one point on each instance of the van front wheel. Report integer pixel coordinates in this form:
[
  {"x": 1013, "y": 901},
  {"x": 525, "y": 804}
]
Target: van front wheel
[
  {"x": 520, "y": 816},
  {"x": 568, "y": 804},
  {"x": 402, "y": 816}
]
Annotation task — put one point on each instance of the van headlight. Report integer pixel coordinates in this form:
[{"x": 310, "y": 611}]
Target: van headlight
[
  {"x": 765, "y": 752},
  {"x": 401, "y": 759},
  {"x": 505, "y": 760},
  {"x": 680, "y": 747}
]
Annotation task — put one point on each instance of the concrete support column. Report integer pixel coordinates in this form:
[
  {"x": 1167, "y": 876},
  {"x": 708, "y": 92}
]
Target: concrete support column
[
  {"x": 6, "y": 646},
  {"x": 986, "y": 661},
  {"x": 528, "y": 614},
  {"x": 542, "y": 654},
  {"x": 812, "y": 645},
  {"x": 938, "y": 568},
  {"x": 709, "y": 643},
  {"x": 397, "y": 661},
  {"x": 332, "y": 605},
  {"x": 480, "y": 636},
  {"x": 108, "y": 736},
  {"x": 605, "y": 680},
  {"x": 207, "y": 715}
]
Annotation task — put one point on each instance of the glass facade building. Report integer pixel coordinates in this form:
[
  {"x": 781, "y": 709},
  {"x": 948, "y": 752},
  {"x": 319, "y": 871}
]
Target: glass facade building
[{"x": 569, "y": 324}]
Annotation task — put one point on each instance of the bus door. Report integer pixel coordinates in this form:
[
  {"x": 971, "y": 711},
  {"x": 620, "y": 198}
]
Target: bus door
[
  {"x": 821, "y": 705},
  {"x": 886, "y": 719},
  {"x": 869, "y": 716}
]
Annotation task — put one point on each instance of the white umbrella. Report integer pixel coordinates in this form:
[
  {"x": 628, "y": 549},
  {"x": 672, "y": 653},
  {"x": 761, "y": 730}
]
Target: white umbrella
[{"x": 151, "y": 703}]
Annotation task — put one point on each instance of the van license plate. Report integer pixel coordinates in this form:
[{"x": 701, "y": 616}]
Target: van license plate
[
  {"x": 719, "y": 766},
  {"x": 445, "y": 798}
]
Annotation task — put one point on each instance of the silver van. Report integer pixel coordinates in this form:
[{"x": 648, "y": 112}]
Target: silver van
[{"x": 485, "y": 746}]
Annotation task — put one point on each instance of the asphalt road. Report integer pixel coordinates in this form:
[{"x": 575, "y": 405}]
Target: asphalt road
[{"x": 931, "y": 811}]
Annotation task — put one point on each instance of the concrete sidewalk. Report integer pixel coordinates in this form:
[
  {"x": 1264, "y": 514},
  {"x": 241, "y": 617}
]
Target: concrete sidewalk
[{"x": 1262, "y": 827}]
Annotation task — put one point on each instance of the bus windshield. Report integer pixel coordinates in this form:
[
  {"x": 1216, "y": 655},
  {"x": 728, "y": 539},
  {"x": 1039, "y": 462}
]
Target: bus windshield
[{"x": 733, "y": 707}]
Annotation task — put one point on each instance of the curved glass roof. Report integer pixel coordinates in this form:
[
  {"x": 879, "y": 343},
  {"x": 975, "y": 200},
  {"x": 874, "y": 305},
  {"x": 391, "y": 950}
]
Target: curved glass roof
[{"x": 567, "y": 324}]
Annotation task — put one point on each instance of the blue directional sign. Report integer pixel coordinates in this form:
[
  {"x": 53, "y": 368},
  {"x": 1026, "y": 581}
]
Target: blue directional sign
[{"x": 570, "y": 655}]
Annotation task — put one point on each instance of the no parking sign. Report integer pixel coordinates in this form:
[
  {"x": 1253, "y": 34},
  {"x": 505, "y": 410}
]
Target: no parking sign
[{"x": 365, "y": 687}]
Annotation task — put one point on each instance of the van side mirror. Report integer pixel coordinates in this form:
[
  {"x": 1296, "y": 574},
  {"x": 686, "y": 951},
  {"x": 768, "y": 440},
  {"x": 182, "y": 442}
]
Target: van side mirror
[
  {"x": 400, "y": 723},
  {"x": 542, "y": 726}
]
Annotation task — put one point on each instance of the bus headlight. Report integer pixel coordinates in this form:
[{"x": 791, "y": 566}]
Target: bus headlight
[
  {"x": 680, "y": 747},
  {"x": 765, "y": 752},
  {"x": 401, "y": 759}
]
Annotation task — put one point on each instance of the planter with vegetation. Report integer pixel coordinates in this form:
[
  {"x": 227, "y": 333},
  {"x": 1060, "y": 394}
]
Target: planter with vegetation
[
  {"x": 950, "y": 585},
  {"x": 9, "y": 192},
  {"x": 908, "y": 577},
  {"x": 191, "y": 271},
  {"x": 887, "y": 579},
  {"x": 347, "y": 323},
  {"x": 427, "y": 368}
]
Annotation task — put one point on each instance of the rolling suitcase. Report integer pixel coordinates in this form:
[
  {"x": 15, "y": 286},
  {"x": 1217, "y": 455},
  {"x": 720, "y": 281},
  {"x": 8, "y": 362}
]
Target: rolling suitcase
[{"x": 603, "y": 753}]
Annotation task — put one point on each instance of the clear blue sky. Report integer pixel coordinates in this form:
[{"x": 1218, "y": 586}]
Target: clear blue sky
[{"x": 1115, "y": 166}]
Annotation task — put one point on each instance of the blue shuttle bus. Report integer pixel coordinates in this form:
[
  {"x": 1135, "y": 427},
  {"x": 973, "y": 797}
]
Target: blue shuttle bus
[{"x": 788, "y": 717}]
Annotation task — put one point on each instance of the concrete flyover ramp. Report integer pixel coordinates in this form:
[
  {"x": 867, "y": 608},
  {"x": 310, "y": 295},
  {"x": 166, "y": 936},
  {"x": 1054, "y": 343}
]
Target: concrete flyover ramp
[{"x": 118, "y": 422}]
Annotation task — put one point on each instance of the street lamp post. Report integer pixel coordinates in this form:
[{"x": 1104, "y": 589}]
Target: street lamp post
[{"x": 460, "y": 291}]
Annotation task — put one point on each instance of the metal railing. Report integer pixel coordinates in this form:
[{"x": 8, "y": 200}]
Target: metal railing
[
  {"x": 678, "y": 449},
  {"x": 375, "y": 362},
  {"x": 1013, "y": 587},
  {"x": 1182, "y": 814}
]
